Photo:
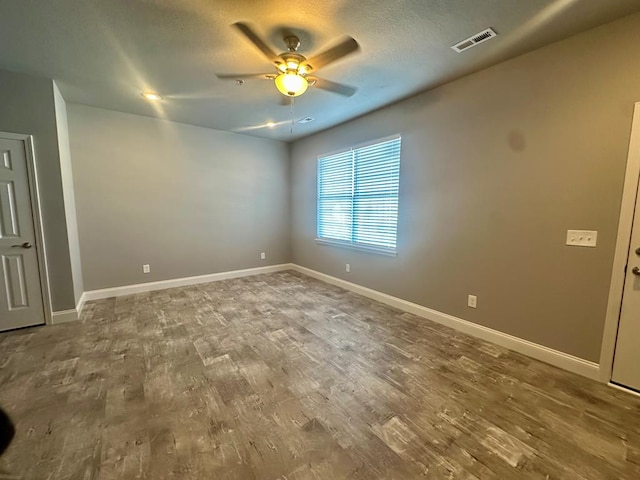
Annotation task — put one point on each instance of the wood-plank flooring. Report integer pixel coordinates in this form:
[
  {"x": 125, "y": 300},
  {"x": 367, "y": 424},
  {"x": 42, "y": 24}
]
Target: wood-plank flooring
[{"x": 284, "y": 377}]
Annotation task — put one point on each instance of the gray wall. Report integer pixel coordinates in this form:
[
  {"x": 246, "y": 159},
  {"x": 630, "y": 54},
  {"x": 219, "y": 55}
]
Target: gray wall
[
  {"x": 186, "y": 200},
  {"x": 27, "y": 106},
  {"x": 68, "y": 193},
  {"x": 495, "y": 168}
]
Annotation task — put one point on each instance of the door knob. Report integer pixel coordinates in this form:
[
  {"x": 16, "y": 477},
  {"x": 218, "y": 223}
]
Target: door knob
[
  {"x": 638, "y": 251},
  {"x": 636, "y": 271},
  {"x": 23, "y": 245}
]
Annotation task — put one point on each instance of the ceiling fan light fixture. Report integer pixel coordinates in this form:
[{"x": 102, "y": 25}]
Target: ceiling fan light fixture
[{"x": 291, "y": 84}]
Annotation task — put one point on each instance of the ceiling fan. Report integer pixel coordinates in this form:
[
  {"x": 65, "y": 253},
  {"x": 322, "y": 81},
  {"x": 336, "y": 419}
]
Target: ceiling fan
[{"x": 293, "y": 73}]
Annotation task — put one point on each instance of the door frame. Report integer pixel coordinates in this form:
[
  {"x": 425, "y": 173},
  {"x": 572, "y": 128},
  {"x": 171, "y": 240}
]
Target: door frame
[
  {"x": 623, "y": 244},
  {"x": 36, "y": 214}
]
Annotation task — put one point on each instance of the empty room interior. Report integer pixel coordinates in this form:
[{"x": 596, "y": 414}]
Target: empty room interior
[{"x": 287, "y": 240}]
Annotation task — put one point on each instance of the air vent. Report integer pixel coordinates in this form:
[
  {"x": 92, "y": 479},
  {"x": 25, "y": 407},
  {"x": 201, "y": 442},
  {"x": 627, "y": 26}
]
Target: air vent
[
  {"x": 306, "y": 120},
  {"x": 474, "y": 40}
]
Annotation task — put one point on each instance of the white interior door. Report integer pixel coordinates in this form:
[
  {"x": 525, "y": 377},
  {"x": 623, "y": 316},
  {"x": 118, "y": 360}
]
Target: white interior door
[
  {"x": 626, "y": 363},
  {"x": 20, "y": 289}
]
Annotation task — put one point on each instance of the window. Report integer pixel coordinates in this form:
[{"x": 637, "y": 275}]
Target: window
[{"x": 358, "y": 196}]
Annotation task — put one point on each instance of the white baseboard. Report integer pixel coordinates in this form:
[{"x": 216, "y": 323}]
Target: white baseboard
[
  {"x": 80, "y": 305},
  {"x": 64, "y": 316},
  {"x": 624, "y": 389},
  {"x": 179, "y": 282},
  {"x": 534, "y": 350}
]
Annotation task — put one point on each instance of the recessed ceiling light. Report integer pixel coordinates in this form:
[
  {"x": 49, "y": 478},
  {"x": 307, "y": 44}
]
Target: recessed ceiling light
[{"x": 154, "y": 97}]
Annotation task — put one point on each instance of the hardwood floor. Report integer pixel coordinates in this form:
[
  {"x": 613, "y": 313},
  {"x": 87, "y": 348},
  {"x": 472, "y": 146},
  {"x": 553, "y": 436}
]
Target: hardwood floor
[{"x": 281, "y": 376}]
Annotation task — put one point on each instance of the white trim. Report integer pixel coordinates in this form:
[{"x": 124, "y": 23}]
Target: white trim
[
  {"x": 64, "y": 316},
  {"x": 179, "y": 282},
  {"x": 539, "y": 352},
  {"x": 623, "y": 242},
  {"x": 36, "y": 208},
  {"x": 81, "y": 302},
  {"x": 624, "y": 389}
]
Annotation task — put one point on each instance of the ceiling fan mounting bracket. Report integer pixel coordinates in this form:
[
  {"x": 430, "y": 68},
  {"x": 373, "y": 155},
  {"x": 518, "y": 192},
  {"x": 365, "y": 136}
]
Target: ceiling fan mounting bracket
[{"x": 292, "y": 42}]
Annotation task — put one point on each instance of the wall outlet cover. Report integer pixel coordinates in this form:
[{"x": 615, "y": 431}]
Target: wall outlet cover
[
  {"x": 146, "y": 269},
  {"x": 472, "y": 301}
]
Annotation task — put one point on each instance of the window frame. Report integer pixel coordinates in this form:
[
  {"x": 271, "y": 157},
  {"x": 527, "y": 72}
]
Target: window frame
[{"x": 351, "y": 245}]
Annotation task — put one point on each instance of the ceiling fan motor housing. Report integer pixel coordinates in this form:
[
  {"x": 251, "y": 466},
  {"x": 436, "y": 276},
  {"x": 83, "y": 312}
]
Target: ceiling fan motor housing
[{"x": 293, "y": 63}]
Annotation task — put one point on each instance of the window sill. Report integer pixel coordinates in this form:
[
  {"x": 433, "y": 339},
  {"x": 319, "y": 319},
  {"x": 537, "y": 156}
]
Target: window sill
[{"x": 362, "y": 248}]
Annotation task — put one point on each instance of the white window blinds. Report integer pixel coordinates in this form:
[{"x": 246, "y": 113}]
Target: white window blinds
[{"x": 358, "y": 196}]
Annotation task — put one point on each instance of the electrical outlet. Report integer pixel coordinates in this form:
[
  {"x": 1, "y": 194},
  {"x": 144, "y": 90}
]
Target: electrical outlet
[
  {"x": 263, "y": 256},
  {"x": 472, "y": 301},
  {"x": 146, "y": 269},
  {"x": 347, "y": 268}
]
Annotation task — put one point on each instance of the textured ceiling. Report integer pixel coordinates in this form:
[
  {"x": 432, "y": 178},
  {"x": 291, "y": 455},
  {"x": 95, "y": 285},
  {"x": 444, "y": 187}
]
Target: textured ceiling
[{"x": 105, "y": 52}]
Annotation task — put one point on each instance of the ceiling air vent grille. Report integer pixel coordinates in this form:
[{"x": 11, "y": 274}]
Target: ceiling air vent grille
[{"x": 474, "y": 40}]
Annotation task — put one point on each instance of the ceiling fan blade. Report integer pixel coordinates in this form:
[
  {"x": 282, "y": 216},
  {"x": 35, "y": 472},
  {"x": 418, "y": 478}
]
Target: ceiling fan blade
[
  {"x": 257, "y": 41},
  {"x": 243, "y": 76},
  {"x": 334, "y": 87},
  {"x": 349, "y": 45}
]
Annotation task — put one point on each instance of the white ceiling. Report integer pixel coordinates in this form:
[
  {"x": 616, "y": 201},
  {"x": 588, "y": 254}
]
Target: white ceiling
[{"x": 105, "y": 52}]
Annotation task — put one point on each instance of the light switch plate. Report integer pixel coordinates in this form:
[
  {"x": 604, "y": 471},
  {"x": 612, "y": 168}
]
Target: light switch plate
[{"x": 582, "y": 238}]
